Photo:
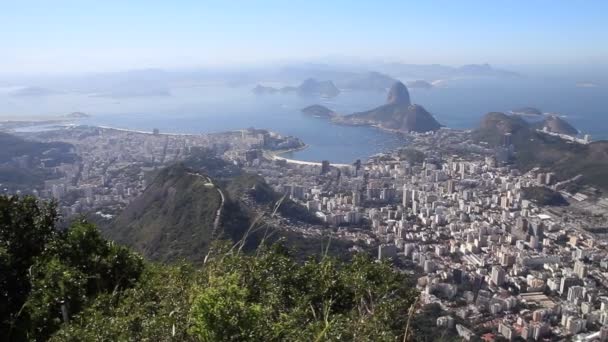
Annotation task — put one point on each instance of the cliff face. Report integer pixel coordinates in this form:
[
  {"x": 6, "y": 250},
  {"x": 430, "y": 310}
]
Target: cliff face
[
  {"x": 398, "y": 94},
  {"x": 397, "y": 114}
]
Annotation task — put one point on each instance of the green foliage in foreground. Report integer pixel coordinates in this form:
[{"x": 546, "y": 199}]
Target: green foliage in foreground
[
  {"x": 47, "y": 275},
  {"x": 107, "y": 293}
]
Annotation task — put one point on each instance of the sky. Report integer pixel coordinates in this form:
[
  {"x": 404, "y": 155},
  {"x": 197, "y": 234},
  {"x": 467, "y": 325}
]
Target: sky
[{"x": 90, "y": 36}]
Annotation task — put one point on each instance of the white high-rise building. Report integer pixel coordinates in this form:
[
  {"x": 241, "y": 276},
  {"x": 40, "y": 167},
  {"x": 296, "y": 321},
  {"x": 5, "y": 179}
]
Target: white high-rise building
[{"x": 498, "y": 275}]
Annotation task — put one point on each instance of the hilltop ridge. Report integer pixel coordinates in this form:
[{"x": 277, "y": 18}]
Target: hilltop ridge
[{"x": 536, "y": 149}]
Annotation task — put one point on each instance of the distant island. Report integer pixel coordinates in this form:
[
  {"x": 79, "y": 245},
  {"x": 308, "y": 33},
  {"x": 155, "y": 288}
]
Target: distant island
[
  {"x": 261, "y": 90},
  {"x": 310, "y": 87},
  {"x": 77, "y": 115},
  {"x": 586, "y": 85},
  {"x": 33, "y": 92},
  {"x": 319, "y": 111},
  {"x": 398, "y": 114},
  {"x": 119, "y": 93},
  {"x": 422, "y": 84}
]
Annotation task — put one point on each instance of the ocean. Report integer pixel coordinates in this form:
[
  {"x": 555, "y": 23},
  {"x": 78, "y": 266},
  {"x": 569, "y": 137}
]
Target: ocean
[{"x": 202, "y": 109}]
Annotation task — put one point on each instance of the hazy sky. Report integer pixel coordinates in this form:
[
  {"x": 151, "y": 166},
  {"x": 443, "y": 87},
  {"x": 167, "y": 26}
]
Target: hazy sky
[{"x": 103, "y": 35}]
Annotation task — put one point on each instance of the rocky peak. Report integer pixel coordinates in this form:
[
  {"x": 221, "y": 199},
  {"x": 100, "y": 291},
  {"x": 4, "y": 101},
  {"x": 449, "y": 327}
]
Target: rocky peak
[{"x": 398, "y": 94}]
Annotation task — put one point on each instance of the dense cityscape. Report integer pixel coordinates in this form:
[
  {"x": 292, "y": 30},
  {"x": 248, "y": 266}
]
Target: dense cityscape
[
  {"x": 208, "y": 171},
  {"x": 449, "y": 211}
]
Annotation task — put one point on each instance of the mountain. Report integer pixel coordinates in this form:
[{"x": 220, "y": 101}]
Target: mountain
[
  {"x": 366, "y": 81},
  {"x": 501, "y": 123},
  {"x": 309, "y": 87},
  {"x": 261, "y": 90},
  {"x": 188, "y": 205},
  {"x": 398, "y": 94},
  {"x": 437, "y": 71},
  {"x": 483, "y": 70},
  {"x": 77, "y": 115},
  {"x": 397, "y": 114},
  {"x": 318, "y": 110},
  {"x": 550, "y": 153},
  {"x": 174, "y": 217},
  {"x": 34, "y": 91},
  {"x": 422, "y": 84},
  {"x": 313, "y": 87},
  {"x": 555, "y": 124}
]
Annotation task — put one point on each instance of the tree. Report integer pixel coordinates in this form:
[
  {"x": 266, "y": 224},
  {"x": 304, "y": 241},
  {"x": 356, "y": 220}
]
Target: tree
[
  {"x": 47, "y": 274},
  {"x": 26, "y": 226}
]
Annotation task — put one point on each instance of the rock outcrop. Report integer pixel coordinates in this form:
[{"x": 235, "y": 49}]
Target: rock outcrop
[{"x": 397, "y": 114}]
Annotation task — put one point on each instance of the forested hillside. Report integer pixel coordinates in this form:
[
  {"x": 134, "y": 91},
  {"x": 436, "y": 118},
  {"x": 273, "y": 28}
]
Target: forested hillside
[{"x": 73, "y": 285}]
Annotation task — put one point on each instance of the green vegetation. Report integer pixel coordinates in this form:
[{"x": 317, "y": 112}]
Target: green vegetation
[
  {"x": 412, "y": 155},
  {"x": 75, "y": 286},
  {"x": 424, "y": 325},
  {"x": 28, "y": 172},
  {"x": 172, "y": 219},
  {"x": 544, "y": 196},
  {"x": 13, "y": 146},
  {"x": 534, "y": 149},
  {"x": 47, "y": 275},
  {"x": 256, "y": 187},
  {"x": 16, "y": 178}
]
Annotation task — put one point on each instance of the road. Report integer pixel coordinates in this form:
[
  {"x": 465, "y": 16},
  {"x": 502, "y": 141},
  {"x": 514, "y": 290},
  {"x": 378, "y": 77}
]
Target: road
[{"x": 218, "y": 213}]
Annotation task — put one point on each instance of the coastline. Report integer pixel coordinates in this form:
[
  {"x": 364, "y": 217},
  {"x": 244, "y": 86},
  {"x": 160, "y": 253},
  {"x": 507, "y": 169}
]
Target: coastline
[{"x": 275, "y": 155}]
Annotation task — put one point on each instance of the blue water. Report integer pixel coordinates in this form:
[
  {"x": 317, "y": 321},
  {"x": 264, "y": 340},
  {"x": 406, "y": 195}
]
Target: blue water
[{"x": 202, "y": 109}]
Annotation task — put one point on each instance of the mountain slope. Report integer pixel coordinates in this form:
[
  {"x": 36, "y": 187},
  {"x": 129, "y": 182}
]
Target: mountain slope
[
  {"x": 536, "y": 149},
  {"x": 25, "y": 164},
  {"x": 177, "y": 215},
  {"x": 555, "y": 124},
  {"x": 173, "y": 218},
  {"x": 13, "y": 146}
]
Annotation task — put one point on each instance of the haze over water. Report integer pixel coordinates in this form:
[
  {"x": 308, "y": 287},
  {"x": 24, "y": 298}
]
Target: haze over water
[{"x": 203, "y": 109}]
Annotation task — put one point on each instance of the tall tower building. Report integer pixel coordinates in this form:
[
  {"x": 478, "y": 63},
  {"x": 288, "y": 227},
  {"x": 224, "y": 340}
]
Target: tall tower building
[
  {"x": 580, "y": 269},
  {"x": 498, "y": 275},
  {"x": 407, "y": 197},
  {"x": 450, "y": 186}
]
